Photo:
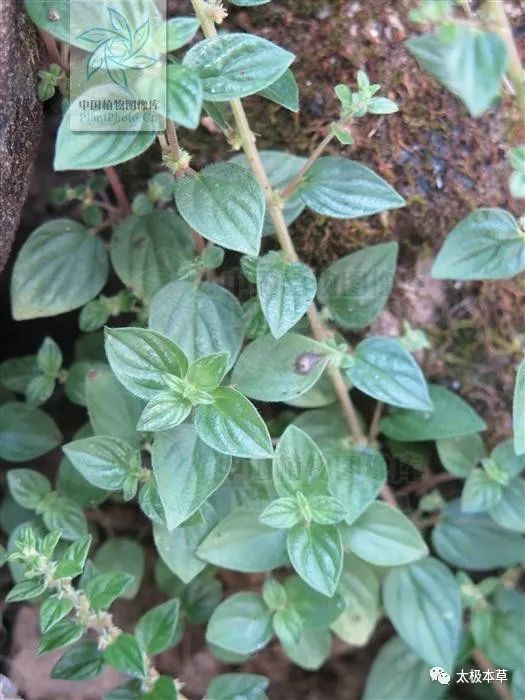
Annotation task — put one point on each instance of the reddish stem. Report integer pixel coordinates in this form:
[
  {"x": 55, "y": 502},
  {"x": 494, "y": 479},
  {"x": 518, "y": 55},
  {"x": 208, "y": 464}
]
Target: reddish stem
[
  {"x": 52, "y": 50},
  {"x": 422, "y": 485},
  {"x": 123, "y": 204}
]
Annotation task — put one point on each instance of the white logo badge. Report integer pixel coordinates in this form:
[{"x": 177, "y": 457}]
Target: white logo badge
[{"x": 440, "y": 675}]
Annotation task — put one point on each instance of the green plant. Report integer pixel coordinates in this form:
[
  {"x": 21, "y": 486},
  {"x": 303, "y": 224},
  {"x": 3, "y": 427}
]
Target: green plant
[{"x": 168, "y": 393}]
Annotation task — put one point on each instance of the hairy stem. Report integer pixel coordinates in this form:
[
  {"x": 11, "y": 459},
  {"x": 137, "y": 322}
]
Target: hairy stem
[
  {"x": 374, "y": 425},
  {"x": 501, "y": 689},
  {"x": 118, "y": 190},
  {"x": 52, "y": 50},
  {"x": 283, "y": 236},
  {"x": 498, "y": 22},
  {"x": 296, "y": 181}
]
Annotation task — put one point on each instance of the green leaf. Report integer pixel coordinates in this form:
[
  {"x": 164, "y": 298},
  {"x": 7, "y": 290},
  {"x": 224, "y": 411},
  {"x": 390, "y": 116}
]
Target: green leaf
[
  {"x": 423, "y": 602},
  {"x": 64, "y": 514},
  {"x": 208, "y": 372},
  {"x": 460, "y": 455},
  {"x": 287, "y": 625},
  {"x": 274, "y": 594},
  {"x": 237, "y": 65},
  {"x": 60, "y": 267},
  {"x": 49, "y": 357},
  {"x": 50, "y": 15},
  {"x": 280, "y": 167},
  {"x": 53, "y": 610},
  {"x": 498, "y": 630},
  {"x": 39, "y": 390},
  {"x": 517, "y": 184},
  {"x": 311, "y": 651},
  {"x": 105, "y": 462},
  {"x": 112, "y": 409},
  {"x": 164, "y": 689},
  {"x": 317, "y": 611},
  {"x": 156, "y": 629},
  {"x": 297, "y": 363},
  {"x": 238, "y": 686},
  {"x": 384, "y": 536},
  {"x": 202, "y": 319},
  {"x": 507, "y": 462},
  {"x": 60, "y": 635},
  {"x": 141, "y": 358},
  {"x": 359, "y": 587},
  {"x": 397, "y": 672},
  {"x": 75, "y": 384},
  {"x": 121, "y": 555},
  {"x": 480, "y": 492},
  {"x": 342, "y": 188},
  {"x": 103, "y": 589},
  {"x": 451, "y": 417},
  {"x": 326, "y": 510},
  {"x": 73, "y": 560},
  {"x": 518, "y": 410},
  {"x": 487, "y": 245},
  {"x": 518, "y": 683},
  {"x": 356, "y": 287},
  {"x": 89, "y": 150},
  {"x": 178, "y": 548},
  {"x": 180, "y": 31},
  {"x": 355, "y": 478},
  {"x": 187, "y": 472},
  {"x": 242, "y": 543},
  {"x": 225, "y": 204},
  {"x": 328, "y": 429},
  {"x": 242, "y": 623},
  {"x": 385, "y": 370},
  {"x": 231, "y": 425},
  {"x": 93, "y": 316},
  {"x": 17, "y": 372},
  {"x": 299, "y": 465},
  {"x": 28, "y": 487},
  {"x": 283, "y": 513},
  {"x": 125, "y": 655},
  {"x": 26, "y": 590},
  {"x": 474, "y": 541},
  {"x": 316, "y": 553},
  {"x": 285, "y": 290},
  {"x": 471, "y": 64},
  {"x": 382, "y": 105},
  {"x": 26, "y": 433},
  {"x": 164, "y": 411},
  {"x": 284, "y": 91},
  {"x": 183, "y": 95},
  {"x": 82, "y": 662},
  {"x": 149, "y": 251},
  {"x": 508, "y": 510},
  {"x": 127, "y": 691}
]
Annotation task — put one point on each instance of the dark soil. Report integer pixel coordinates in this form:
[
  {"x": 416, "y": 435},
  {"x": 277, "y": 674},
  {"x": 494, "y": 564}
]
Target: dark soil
[{"x": 442, "y": 161}]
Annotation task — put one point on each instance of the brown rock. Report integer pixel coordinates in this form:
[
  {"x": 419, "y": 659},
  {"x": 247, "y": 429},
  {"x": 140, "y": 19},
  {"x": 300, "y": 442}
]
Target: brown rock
[{"x": 21, "y": 56}]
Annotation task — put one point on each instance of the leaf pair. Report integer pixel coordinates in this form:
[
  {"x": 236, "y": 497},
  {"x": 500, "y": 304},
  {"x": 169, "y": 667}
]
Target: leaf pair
[
  {"x": 33, "y": 491},
  {"x": 153, "y": 367}
]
